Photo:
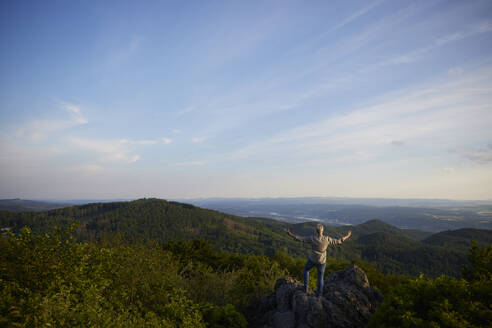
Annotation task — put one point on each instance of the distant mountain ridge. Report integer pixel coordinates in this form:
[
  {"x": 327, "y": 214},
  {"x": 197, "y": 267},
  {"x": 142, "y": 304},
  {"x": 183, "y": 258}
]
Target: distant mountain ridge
[
  {"x": 21, "y": 205},
  {"x": 428, "y": 215},
  {"x": 384, "y": 202},
  {"x": 392, "y": 249}
]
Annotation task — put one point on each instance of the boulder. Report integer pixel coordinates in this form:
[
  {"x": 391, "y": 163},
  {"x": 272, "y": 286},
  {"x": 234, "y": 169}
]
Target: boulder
[{"x": 348, "y": 301}]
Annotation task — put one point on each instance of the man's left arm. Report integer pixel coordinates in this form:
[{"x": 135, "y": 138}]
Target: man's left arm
[{"x": 336, "y": 241}]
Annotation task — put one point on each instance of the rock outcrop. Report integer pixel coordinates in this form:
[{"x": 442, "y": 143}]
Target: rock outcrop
[{"x": 347, "y": 301}]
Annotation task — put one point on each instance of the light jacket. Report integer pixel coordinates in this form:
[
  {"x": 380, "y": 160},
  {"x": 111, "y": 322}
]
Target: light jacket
[{"x": 319, "y": 246}]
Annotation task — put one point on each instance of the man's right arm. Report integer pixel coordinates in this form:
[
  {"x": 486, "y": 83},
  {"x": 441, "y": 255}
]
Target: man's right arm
[{"x": 295, "y": 237}]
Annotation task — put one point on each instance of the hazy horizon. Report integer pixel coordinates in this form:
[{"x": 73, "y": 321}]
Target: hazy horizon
[
  {"x": 367, "y": 99},
  {"x": 299, "y": 198}
]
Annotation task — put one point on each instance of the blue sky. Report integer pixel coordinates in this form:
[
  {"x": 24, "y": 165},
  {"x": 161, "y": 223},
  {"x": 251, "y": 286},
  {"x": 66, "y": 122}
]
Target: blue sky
[{"x": 178, "y": 99}]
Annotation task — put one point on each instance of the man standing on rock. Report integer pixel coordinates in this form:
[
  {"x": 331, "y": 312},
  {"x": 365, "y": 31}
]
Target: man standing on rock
[{"x": 319, "y": 244}]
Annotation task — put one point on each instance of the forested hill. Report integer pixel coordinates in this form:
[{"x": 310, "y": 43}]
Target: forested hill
[
  {"x": 392, "y": 250},
  {"x": 461, "y": 238},
  {"x": 160, "y": 220}
]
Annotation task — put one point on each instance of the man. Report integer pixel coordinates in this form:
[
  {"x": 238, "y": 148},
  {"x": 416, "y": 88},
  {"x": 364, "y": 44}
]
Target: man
[{"x": 319, "y": 244}]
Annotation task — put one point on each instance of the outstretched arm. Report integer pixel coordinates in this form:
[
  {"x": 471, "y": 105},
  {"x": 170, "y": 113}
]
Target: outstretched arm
[
  {"x": 298, "y": 238},
  {"x": 290, "y": 233},
  {"x": 347, "y": 236}
]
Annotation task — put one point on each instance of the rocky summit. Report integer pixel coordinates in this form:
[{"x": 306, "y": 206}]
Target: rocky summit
[{"x": 347, "y": 301}]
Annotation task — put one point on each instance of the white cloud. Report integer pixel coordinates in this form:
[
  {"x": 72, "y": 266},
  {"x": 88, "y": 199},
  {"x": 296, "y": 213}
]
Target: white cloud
[
  {"x": 186, "y": 110},
  {"x": 198, "y": 140},
  {"x": 190, "y": 163},
  {"x": 88, "y": 168},
  {"x": 134, "y": 158},
  {"x": 109, "y": 151},
  {"x": 166, "y": 141},
  {"x": 38, "y": 130},
  {"x": 144, "y": 142},
  {"x": 75, "y": 112}
]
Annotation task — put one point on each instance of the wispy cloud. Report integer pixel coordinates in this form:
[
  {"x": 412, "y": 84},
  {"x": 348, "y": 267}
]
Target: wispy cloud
[
  {"x": 124, "y": 52},
  {"x": 357, "y": 14},
  {"x": 58, "y": 134},
  {"x": 75, "y": 112},
  {"x": 88, "y": 168},
  {"x": 414, "y": 55},
  {"x": 455, "y": 71},
  {"x": 166, "y": 141},
  {"x": 143, "y": 142},
  {"x": 198, "y": 140},
  {"x": 110, "y": 151},
  {"x": 190, "y": 163},
  {"x": 481, "y": 155},
  {"x": 38, "y": 130},
  {"x": 323, "y": 68},
  {"x": 453, "y": 109},
  {"x": 185, "y": 110}
]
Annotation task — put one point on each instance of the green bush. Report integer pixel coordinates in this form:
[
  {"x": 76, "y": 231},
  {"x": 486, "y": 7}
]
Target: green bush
[
  {"x": 444, "y": 301},
  {"x": 52, "y": 279},
  {"x": 223, "y": 317}
]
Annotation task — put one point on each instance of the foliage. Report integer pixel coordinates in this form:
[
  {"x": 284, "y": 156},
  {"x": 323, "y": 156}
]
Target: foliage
[
  {"x": 480, "y": 268},
  {"x": 444, "y": 301},
  {"x": 461, "y": 238},
  {"x": 53, "y": 280},
  {"x": 223, "y": 317}
]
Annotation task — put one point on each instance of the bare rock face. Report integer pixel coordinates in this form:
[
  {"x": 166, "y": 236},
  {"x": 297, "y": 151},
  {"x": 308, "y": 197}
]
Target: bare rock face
[{"x": 347, "y": 302}]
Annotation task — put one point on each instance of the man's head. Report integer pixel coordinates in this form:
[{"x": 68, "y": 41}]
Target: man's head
[{"x": 319, "y": 228}]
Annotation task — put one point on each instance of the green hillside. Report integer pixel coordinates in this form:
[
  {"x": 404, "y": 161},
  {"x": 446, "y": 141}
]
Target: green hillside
[
  {"x": 392, "y": 250},
  {"x": 155, "y": 219},
  {"x": 373, "y": 226},
  {"x": 461, "y": 238}
]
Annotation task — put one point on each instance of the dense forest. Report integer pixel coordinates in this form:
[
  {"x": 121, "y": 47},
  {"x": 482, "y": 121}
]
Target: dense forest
[
  {"x": 392, "y": 250},
  {"x": 54, "y": 280},
  {"x": 154, "y": 263}
]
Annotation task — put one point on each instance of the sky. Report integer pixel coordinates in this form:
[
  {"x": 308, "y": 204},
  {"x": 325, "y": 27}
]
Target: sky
[{"x": 189, "y": 99}]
